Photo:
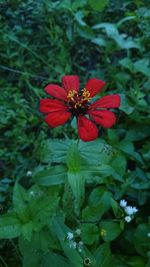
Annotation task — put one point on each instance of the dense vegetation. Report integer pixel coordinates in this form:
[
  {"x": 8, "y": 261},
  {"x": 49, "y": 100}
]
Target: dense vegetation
[{"x": 40, "y": 42}]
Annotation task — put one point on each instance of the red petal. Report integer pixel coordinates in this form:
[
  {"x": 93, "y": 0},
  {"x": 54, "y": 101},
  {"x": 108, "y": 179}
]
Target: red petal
[
  {"x": 58, "y": 118},
  {"x": 94, "y": 86},
  {"x": 56, "y": 91},
  {"x": 87, "y": 130},
  {"x": 50, "y": 105},
  {"x": 105, "y": 118},
  {"x": 70, "y": 82},
  {"x": 109, "y": 101}
]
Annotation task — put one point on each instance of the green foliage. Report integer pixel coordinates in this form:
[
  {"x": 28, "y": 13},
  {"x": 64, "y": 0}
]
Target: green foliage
[{"x": 51, "y": 183}]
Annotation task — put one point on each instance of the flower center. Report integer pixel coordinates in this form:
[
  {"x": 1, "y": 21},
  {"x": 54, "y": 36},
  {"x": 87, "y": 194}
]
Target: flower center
[{"x": 78, "y": 103}]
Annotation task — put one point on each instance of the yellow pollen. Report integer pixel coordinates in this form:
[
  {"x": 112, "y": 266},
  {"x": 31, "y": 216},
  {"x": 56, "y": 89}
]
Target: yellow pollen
[
  {"x": 85, "y": 94},
  {"x": 78, "y": 104},
  {"x": 103, "y": 232},
  {"x": 71, "y": 94}
]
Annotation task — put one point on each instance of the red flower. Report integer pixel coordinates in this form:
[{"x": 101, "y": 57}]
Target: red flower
[{"x": 69, "y": 102}]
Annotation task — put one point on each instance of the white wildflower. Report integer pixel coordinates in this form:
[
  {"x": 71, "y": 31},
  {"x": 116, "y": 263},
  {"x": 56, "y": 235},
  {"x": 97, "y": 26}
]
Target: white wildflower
[
  {"x": 32, "y": 193},
  {"x": 129, "y": 210},
  {"x": 70, "y": 236},
  {"x": 29, "y": 174},
  {"x": 128, "y": 219},
  {"x": 135, "y": 210},
  {"x": 78, "y": 232},
  {"x": 73, "y": 244},
  {"x": 148, "y": 234},
  {"x": 123, "y": 203}
]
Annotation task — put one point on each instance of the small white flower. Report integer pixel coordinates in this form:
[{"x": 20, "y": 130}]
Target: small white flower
[
  {"x": 70, "y": 236},
  {"x": 73, "y": 244},
  {"x": 129, "y": 210},
  {"x": 78, "y": 232},
  {"x": 80, "y": 244},
  {"x": 135, "y": 210},
  {"x": 29, "y": 174},
  {"x": 128, "y": 219},
  {"x": 32, "y": 193},
  {"x": 79, "y": 249},
  {"x": 148, "y": 234},
  {"x": 123, "y": 203}
]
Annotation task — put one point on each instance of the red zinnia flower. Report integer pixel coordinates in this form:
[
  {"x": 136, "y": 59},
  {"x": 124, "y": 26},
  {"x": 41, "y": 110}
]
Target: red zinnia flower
[{"x": 70, "y": 102}]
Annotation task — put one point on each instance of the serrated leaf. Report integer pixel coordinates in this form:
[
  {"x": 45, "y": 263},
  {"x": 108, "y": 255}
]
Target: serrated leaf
[{"x": 20, "y": 200}]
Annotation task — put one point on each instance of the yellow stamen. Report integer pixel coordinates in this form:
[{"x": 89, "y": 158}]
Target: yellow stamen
[
  {"x": 71, "y": 94},
  {"x": 85, "y": 94}
]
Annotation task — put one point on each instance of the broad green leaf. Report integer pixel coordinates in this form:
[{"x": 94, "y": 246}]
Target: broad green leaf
[
  {"x": 126, "y": 147},
  {"x": 51, "y": 176},
  {"x": 96, "y": 173},
  {"x": 55, "y": 150},
  {"x": 103, "y": 256},
  {"x": 119, "y": 164},
  {"x": 93, "y": 148},
  {"x": 77, "y": 183},
  {"x": 93, "y": 213},
  {"x": 109, "y": 230},
  {"x": 43, "y": 208},
  {"x": 100, "y": 195},
  {"x": 73, "y": 158},
  {"x": 89, "y": 233},
  {"x": 27, "y": 230},
  {"x": 10, "y": 227}
]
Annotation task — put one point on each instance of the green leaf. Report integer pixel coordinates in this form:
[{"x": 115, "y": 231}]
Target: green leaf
[
  {"x": 98, "y": 5},
  {"x": 126, "y": 146},
  {"x": 125, "y": 105},
  {"x": 27, "y": 230},
  {"x": 77, "y": 182},
  {"x": 51, "y": 176},
  {"x": 109, "y": 230},
  {"x": 141, "y": 239},
  {"x": 94, "y": 149},
  {"x": 20, "y": 200},
  {"x": 142, "y": 66},
  {"x": 103, "y": 256},
  {"x": 73, "y": 158},
  {"x": 119, "y": 164},
  {"x": 89, "y": 233},
  {"x": 10, "y": 227}
]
